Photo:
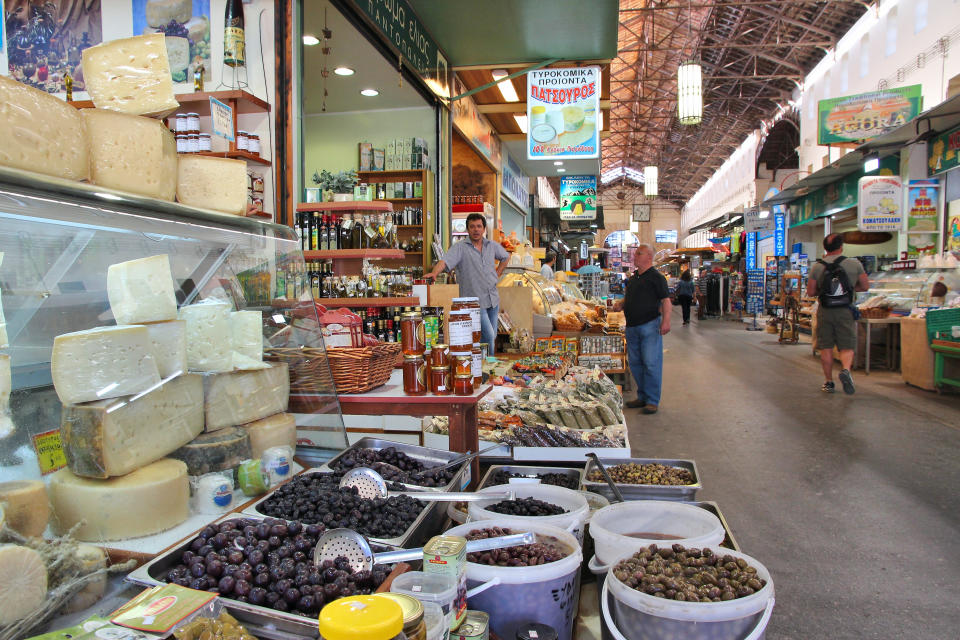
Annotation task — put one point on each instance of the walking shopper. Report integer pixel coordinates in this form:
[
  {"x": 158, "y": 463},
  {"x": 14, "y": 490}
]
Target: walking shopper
[
  {"x": 685, "y": 291},
  {"x": 547, "y": 269},
  {"x": 833, "y": 280},
  {"x": 479, "y": 263},
  {"x": 646, "y": 306}
]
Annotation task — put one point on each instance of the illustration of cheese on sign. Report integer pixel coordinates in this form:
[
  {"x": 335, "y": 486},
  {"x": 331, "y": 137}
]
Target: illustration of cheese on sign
[{"x": 187, "y": 35}]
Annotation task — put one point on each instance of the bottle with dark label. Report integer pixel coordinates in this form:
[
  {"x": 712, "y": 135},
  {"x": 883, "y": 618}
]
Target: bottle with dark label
[{"x": 234, "y": 47}]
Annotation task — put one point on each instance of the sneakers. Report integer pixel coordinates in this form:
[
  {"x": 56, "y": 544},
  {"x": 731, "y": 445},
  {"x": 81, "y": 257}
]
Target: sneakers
[
  {"x": 847, "y": 381},
  {"x": 650, "y": 409},
  {"x": 636, "y": 404},
  {"x": 828, "y": 387}
]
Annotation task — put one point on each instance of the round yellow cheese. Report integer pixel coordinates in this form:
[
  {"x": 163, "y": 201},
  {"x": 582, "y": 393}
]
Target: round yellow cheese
[
  {"x": 26, "y": 506},
  {"x": 23, "y": 588}
]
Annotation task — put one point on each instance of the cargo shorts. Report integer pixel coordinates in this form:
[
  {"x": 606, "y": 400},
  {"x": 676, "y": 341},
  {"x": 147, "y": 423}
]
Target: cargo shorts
[{"x": 836, "y": 328}]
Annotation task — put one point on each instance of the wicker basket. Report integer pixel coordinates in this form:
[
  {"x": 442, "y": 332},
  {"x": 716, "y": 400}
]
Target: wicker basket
[
  {"x": 875, "y": 313},
  {"x": 354, "y": 369}
]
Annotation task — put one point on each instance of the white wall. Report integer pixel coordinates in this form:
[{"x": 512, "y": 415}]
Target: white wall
[
  {"x": 883, "y": 45},
  {"x": 731, "y": 188}
]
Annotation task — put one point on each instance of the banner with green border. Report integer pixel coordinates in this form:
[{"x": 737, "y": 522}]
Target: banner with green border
[{"x": 867, "y": 115}]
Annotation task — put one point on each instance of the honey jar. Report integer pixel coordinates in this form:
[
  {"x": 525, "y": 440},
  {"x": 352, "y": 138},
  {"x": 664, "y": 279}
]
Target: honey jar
[
  {"x": 438, "y": 356},
  {"x": 476, "y": 362},
  {"x": 414, "y": 375},
  {"x": 462, "y": 363},
  {"x": 473, "y": 306},
  {"x": 411, "y": 333},
  {"x": 461, "y": 330}
]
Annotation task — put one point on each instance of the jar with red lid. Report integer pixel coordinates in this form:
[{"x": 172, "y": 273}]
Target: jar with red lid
[
  {"x": 438, "y": 356},
  {"x": 440, "y": 381},
  {"x": 461, "y": 330},
  {"x": 473, "y": 306},
  {"x": 412, "y": 333},
  {"x": 414, "y": 375},
  {"x": 476, "y": 361},
  {"x": 463, "y": 385},
  {"x": 461, "y": 363}
]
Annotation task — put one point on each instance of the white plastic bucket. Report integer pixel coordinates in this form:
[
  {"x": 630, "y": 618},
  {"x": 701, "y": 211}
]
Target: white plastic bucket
[
  {"x": 696, "y": 527},
  {"x": 428, "y": 587},
  {"x": 436, "y": 621},
  {"x": 638, "y": 616},
  {"x": 595, "y": 501},
  {"x": 455, "y": 514},
  {"x": 599, "y": 572},
  {"x": 578, "y": 511},
  {"x": 548, "y": 593}
]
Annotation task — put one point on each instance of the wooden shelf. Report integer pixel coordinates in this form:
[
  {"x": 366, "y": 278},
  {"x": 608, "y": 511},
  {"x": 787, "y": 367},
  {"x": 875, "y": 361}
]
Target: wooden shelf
[
  {"x": 199, "y": 101},
  {"x": 389, "y": 176},
  {"x": 404, "y": 199},
  {"x": 409, "y": 226},
  {"x": 354, "y": 254},
  {"x": 236, "y": 155},
  {"x": 350, "y": 205},
  {"x": 411, "y": 301}
]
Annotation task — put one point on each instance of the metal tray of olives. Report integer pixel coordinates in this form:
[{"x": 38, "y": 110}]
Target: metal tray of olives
[
  {"x": 426, "y": 454},
  {"x": 728, "y": 541},
  {"x": 681, "y": 493},
  {"x": 531, "y": 472},
  {"x": 154, "y": 573}
]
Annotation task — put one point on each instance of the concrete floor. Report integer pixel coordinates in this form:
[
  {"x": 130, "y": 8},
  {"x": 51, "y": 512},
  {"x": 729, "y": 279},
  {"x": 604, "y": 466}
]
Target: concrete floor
[{"x": 852, "y": 503}]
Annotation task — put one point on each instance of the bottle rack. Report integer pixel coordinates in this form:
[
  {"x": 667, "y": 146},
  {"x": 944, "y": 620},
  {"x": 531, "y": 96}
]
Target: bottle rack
[{"x": 425, "y": 203}]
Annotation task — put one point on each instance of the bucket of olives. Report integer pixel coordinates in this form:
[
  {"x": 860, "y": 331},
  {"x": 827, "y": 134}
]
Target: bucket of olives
[
  {"x": 673, "y": 591},
  {"x": 546, "y": 504}
]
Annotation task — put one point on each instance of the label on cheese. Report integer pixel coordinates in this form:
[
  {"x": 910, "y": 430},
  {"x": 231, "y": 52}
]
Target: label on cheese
[
  {"x": 132, "y": 154},
  {"x": 169, "y": 343},
  {"x": 115, "y": 437},
  {"x": 149, "y": 500},
  {"x": 100, "y": 363},
  {"x": 49, "y": 448},
  {"x": 217, "y": 451},
  {"x": 41, "y": 133},
  {"x": 275, "y": 431},
  {"x": 244, "y": 396},
  {"x": 208, "y": 336},
  {"x": 142, "y": 290},
  {"x": 131, "y": 75},
  {"x": 246, "y": 333},
  {"x": 213, "y": 183}
]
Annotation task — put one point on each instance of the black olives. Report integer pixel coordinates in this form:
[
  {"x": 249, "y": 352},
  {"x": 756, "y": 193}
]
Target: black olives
[
  {"x": 526, "y": 507},
  {"x": 527, "y": 555},
  {"x": 556, "y": 479},
  {"x": 403, "y": 468}
]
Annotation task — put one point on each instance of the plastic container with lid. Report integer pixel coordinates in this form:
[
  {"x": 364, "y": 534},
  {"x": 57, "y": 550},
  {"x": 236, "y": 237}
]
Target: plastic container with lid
[
  {"x": 434, "y": 619},
  {"x": 414, "y": 375},
  {"x": 361, "y": 618},
  {"x": 473, "y": 306},
  {"x": 536, "y": 631},
  {"x": 432, "y": 588},
  {"x": 413, "y": 625},
  {"x": 575, "y": 505},
  {"x": 461, "y": 330}
]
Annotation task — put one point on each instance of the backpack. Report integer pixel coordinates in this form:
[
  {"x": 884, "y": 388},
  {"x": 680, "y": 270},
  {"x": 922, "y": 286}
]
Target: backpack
[{"x": 835, "y": 289}]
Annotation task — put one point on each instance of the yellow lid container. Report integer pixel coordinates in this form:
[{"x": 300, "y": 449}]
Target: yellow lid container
[{"x": 361, "y": 618}]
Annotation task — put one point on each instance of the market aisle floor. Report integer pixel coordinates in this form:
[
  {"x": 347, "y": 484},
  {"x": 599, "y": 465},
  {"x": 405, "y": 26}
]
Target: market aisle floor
[{"x": 852, "y": 503}]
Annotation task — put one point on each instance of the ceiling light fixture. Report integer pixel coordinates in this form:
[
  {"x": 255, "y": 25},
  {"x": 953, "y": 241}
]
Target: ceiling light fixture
[
  {"x": 650, "y": 175},
  {"x": 344, "y": 71},
  {"x": 871, "y": 163},
  {"x": 561, "y": 170},
  {"x": 369, "y": 92},
  {"x": 690, "y": 92},
  {"x": 311, "y": 41},
  {"x": 507, "y": 89},
  {"x": 521, "y": 122},
  {"x": 558, "y": 163}
]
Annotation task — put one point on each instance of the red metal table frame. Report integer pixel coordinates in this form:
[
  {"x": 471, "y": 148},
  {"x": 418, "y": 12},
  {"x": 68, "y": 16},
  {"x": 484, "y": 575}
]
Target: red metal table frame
[{"x": 389, "y": 400}]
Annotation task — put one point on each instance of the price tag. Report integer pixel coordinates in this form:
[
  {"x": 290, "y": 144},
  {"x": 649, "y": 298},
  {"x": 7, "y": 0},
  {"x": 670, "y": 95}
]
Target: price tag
[
  {"x": 221, "y": 116},
  {"x": 49, "y": 450},
  {"x": 417, "y": 588}
]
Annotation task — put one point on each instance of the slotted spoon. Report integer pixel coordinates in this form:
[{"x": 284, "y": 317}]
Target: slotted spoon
[
  {"x": 356, "y": 548},
  {"x": 370, "y": 484}
]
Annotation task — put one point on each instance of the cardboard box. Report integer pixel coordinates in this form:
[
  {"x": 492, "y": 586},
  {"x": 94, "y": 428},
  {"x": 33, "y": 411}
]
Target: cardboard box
[
  {"x": 366, "y": 156},
  {"x": 392, "y": 148},
  {"x": 407, "y": 162},
  {"x": 378, "y": 160},
  {"x": 417, "y": 189},
  {"x": 407, "y": 189},
  {"x": 408, "y": 146}
]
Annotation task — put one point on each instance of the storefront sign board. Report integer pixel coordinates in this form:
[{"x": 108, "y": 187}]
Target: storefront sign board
[
  {"x": 516, "y": 185},
  {"x": 563, "y": 113},
  {"x": 578, "y": 198},
  {"x": 751, "y": 250},
  {"x": 943, "y": 152},
  {"x": 475, "y": 127},
  {"x": 759, "y": 220},
  {"x": 780, "y": 235},
  {"x": 867, "y": 115},
  {"x": 953, "y": 228},
  {"x": 923, "y": 217},
  {"x": 880, "y": 206}
]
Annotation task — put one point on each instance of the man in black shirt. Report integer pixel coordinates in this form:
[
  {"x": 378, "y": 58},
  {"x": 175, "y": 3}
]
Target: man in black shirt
[{"x": 646, "y": 306}]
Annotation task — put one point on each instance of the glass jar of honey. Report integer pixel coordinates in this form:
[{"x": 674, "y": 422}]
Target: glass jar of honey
[
  {"x": 476, "y": 361},
  {"x": 414, "y": 375},
  {"x": 473, "y": 306},
  {"x": 440, "y": 381},
  {"x": 438, "y": 356},
  {"x": 461, "y": 330},
  {"x": 461, "y": 363},
  {"x": 463, "y": 385},
  {"x": 411, "y": 334}
]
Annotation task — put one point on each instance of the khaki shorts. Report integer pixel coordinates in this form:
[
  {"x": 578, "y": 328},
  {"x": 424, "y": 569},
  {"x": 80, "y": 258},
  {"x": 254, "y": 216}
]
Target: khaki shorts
[{"x": 836, "y": 328}]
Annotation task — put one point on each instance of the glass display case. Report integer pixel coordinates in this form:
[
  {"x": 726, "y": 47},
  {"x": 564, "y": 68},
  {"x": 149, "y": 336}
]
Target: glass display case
[
  {"x": 901, "y": 288},
  {"x": 931, "y": 295},
  {"x": 570, "y": 291},
  {"x": 58, "y": 240},
  {"x": 546, "y": 292}
]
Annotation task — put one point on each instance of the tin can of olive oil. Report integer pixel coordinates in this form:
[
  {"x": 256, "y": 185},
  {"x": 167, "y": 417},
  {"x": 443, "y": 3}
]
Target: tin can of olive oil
[
  {"x": 447, "y": 555},
  {"x": 476, "y": 626}
]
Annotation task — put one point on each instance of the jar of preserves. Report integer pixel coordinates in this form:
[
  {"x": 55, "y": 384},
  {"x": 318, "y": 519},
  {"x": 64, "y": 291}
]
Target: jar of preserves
[
  {"x": 476, "y": 360},
  {"x": 411, "y": 333},
  {"x": 461, "y": 363},
  {"x": 369, "y": 617},
  {"x": 253, "y": 144},
  {"x": 193, "y": 123},
  {"x": 414, "y": 626},
  {"x": 414, "y": 375},
  {"x": 472, "y": 305},
  {"x": 180, "y": 123},
  {"x": 438, "y": 356},
  {"x": 440, "y": 381},
  {"x": 193, "y": 143},
  {"x": 461, "y": 330},
  {"x": 243, "y": 142},
  {"x": 206, "y": 143},
  {"x": 181, "y": 143},
  {"x": 463, "y": 385}
]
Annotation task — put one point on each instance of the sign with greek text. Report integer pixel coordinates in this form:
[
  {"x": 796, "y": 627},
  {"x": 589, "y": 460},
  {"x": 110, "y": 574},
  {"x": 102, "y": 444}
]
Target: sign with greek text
[
  {"x": 880, "y": 205},
  {"x": 563, "y": 112},
  {"x": 867, "y": 115},
  {"x": 751, "y": 250},
  {"x": 578, "y": 197},
  {"x": 780, "y": 235}
]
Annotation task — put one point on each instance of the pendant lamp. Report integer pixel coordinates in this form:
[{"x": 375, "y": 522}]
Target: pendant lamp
[
  {"x": 650, "y": 181},
  {"x": 690, "y": 92}
]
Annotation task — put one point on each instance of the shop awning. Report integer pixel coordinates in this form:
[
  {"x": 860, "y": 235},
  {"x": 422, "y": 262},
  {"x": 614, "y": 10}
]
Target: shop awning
[
  {"x": 722, "y": 220},
  {"x": 941, "y": 118}
]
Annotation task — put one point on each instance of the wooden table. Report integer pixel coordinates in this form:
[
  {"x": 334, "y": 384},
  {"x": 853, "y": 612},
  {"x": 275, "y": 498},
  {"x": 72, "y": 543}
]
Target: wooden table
[{"x": 389, "y": 400}]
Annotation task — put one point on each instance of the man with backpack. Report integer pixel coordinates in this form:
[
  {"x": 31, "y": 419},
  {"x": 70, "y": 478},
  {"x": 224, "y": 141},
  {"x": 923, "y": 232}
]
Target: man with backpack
[{"x": 833, "y": 281}]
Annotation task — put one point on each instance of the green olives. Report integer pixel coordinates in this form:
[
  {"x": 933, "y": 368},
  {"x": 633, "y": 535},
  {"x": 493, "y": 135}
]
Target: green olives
[{"x": 654, "y": 473}]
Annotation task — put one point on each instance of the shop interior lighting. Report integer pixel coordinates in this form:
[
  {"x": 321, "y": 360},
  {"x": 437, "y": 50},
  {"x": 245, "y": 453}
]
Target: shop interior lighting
[
  {"x": 690, "y": 92},
  {"x": 521, "y": 122},
  {"x": 610, "y": 175},
  {"x": 369, "y": 92},
  {"x": 871, "y": 163},
  {"x": 558, "y": 163},
  {"x": 344, "y": 71},
  {"x": 507, "y": 89},
  {"x": 561, "y": 170},
  {"x": 650, "y": 174},
  {"x": 311, "y": 41}
]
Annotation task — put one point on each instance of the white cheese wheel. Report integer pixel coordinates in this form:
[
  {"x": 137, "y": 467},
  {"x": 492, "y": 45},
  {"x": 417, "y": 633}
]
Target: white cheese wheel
[
  {"x": 213, "y": 183},
  {"x": 246, "y": 333},
  {"x": 178, "y": 53},
  {"x": 130, "y": 153},
  {"x": 198, "y": 27},
  {"x": 41, "y": 133},
  {"x": 149, "y": 500},
  {"x": 131, "y": 75},
  {"x": 244, "y": 396},
  {"x": 142, "y": 290},
  {"x": 208, "y": 336},
  {"x": 275, "y": 431},
  {"x": 23, "y": 588},
  {"x": 169, "y": 343},
  {"x": 100, "y": 363},
  {"x": 159, "y": 13},
  {"x": 25, "y": 506}
]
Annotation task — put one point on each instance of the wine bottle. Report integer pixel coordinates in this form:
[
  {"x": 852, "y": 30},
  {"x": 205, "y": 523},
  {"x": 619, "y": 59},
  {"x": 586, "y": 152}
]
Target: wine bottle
[{"x": 234, "y": 47}]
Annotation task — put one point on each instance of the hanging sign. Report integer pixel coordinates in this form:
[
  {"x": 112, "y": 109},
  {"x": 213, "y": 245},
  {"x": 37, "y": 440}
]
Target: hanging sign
[
  {"x": 879, "y": 204},
  {"x": 867, "y": 115},
  {"x": 760, "y": 221},
  {"x": 475, "y": 127},
  {"x": 563, "y": 112},
  {"x": 751, "y": 250},
  {"x": 780, "y": 235},
  {"x": 515, "y": 184},
  {"x": 923, "y": 219},
  {"x": 578, "y": 198},
  {"x": 943, "y": 152}
]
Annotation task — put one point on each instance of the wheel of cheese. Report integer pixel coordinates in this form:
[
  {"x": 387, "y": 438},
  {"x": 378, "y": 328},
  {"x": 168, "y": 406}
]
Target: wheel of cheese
[
  {"x": 26, "y": 506},
  {"x": 24, "y": 585}
]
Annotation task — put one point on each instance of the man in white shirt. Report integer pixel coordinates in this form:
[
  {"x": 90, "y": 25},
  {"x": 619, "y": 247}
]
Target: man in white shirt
[{"x": 547, "y": 269}]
